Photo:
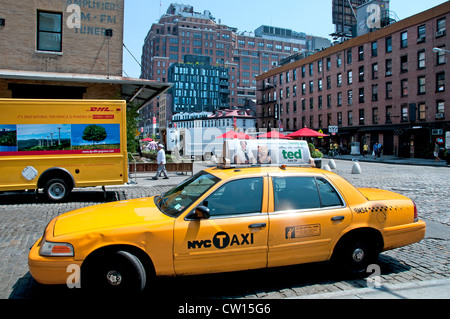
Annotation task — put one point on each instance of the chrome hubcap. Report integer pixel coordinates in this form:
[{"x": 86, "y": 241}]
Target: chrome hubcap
[
  {"x": 358, "y": 255},
  {"x": 114, "y": 278},
  {"x": 57, "y": 190}
]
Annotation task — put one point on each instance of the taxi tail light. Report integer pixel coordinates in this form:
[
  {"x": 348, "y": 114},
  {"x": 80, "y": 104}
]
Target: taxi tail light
[{"x": 416, "y": 218}]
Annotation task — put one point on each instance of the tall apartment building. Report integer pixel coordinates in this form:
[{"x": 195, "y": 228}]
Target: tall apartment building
[
  {"x": 198, "y": 86},
  {"x": 390, "y": 85},
  {"x": 181, "y": 31}
]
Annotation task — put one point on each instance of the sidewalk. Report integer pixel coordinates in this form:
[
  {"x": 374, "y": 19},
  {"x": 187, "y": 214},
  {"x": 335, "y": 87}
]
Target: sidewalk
[
  {"x": 434, "y": 289},
  {"x": 391, "y": 160}
]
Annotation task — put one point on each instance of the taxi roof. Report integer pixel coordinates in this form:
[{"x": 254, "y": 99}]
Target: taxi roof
[{"x": 225, "y": 173}]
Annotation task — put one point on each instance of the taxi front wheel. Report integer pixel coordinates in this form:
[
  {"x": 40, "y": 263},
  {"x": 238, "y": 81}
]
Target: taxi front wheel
[{"x": 117, "y": 273}]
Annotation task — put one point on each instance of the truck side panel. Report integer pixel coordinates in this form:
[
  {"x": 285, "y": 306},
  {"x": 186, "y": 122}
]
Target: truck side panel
[{"x": 81, "y": 141}]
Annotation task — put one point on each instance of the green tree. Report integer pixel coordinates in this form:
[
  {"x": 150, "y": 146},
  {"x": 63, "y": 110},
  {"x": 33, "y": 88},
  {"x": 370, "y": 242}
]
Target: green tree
[
  {"x": 94, "y": 133},
  {"x": 132, "y": 127}
]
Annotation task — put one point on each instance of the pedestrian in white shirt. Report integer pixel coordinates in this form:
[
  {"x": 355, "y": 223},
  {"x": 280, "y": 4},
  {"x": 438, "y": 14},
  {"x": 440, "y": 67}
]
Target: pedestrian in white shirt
[{"x": 161, "y": 160}]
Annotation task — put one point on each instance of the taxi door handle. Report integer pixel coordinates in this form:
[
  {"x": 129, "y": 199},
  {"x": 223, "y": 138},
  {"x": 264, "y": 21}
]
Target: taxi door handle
[
  {"x": 337, "y": 218},
  {"x": 258, "y": 225}
]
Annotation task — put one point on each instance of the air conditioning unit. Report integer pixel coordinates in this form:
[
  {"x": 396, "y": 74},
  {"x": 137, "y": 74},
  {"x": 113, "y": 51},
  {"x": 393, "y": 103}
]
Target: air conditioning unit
[
  {"x": 440, "y": 115},
  {"x": 440, "y": 33}
]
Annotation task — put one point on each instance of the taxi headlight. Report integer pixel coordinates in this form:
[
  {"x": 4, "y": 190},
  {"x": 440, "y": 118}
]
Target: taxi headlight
[{"x": 51, "y": 249}]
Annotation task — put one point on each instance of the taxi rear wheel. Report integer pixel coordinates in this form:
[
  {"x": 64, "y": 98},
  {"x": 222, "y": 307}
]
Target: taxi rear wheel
[
  {"x": 120, "y": 272},
  {"x": 355, "y": 255}
]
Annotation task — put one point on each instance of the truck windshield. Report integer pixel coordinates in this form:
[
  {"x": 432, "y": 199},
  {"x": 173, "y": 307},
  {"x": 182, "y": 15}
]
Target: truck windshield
[{"x": 176, "y": 200}]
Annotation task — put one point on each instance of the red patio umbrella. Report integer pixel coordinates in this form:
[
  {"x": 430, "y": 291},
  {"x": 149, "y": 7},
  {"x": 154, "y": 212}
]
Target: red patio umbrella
[
  {"x": 274, "y": 135},
  {"x": 307, "y": 132},
  {"x": 148, "y": 139},
  {"x": 236, "y": 135}
]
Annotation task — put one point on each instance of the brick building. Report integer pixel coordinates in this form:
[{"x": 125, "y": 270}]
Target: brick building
[
  {"x": 182, "y": 31},
  {"x": 389, "y": 85},
  {"x": 66, "y": 49}
]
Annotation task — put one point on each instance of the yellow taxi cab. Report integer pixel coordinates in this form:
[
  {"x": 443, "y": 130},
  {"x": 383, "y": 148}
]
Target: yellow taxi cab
[{"x": 222, "y": 220}]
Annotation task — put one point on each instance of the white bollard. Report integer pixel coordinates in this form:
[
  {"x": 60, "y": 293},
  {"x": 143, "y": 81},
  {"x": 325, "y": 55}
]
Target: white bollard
[
  {"x": 327, "y": 168},
  {"x": 356, "y": 169},
  {"x": 332, "y": 164}
]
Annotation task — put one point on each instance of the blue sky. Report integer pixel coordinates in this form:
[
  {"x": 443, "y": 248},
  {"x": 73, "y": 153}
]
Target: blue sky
[
  {"x": 311, "y": 17},
  {"x": 41, "y": 131}
]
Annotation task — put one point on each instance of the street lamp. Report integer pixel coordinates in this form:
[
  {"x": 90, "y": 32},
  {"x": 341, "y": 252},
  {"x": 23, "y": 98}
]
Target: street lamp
[{"x": 440, "y": 50}]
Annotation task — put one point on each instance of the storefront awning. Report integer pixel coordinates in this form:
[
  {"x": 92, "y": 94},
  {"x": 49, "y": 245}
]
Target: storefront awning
[{"x": 140, "y": 91}]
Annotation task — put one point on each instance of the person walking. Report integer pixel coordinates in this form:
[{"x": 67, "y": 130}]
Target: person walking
[
  {"x": 365, "y": 149},
  {"x": 375, "y": 150},
  {"x": 161, "y": 160},
  {"x": 436, "y": 152}
]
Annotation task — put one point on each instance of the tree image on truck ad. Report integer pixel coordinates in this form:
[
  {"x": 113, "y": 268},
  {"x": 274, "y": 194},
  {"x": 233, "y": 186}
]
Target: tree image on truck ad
[{"x": 94, "y": 133}]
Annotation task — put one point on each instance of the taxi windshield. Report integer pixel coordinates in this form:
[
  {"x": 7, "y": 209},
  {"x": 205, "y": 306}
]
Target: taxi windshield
[{"x": 176, "y": 200}]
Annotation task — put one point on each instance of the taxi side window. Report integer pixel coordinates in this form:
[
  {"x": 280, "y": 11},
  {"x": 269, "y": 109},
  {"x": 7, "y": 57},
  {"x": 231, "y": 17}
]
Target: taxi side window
[
  {"x": 295, "y": 193},
  {"x": 242, "y": 196},
  {"x": 328, "y": 194}
]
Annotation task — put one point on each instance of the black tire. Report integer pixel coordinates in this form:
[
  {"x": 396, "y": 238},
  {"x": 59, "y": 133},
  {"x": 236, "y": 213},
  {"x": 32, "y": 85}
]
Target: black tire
[
  {"x": 56, "y": 190},
  {"x": 355, "y": 255},
  {"x": 120, "y": 273}
]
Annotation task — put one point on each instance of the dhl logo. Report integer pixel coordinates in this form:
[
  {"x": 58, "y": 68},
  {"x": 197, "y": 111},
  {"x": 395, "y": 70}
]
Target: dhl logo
[{"x": 100, "y": 109}]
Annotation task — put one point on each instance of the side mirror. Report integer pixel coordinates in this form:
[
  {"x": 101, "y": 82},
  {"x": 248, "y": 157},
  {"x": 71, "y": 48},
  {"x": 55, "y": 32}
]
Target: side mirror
[{"x": 200, "y": 212}]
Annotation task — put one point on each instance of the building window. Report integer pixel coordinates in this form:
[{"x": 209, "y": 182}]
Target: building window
[
  {"x": 375, "y": 92},
  {"x": 440, "y": 107},
  {"x": 388, "y": 90},
  {"x": 350, "y": 97},
  {"x": 339, "y": 116},
  {"x": 374, "y": 49},
  {"x": 404, "y": 64},
  {"x": 421, "y": 59},
  {"x": 349, "y": 77},
  {"x": 421, "y": 33},
  {"x": 361, "y": 73},
  {"x": 404, "y": 39},
  {"x": 374, "y": 71},
  {"x": 375, "y": 115},
  {"x": 349, "y": 56},
  {"x": 440, "y": 57},
  {"x": 361, "y": 53},
  {"x": 361, "y": 95},
  {"x": 422, "y": 111},
  {"x": 440, "y": 28},
  {"x": 388, "y": 44},
  {"x": 404, "y": 87},
  {"x": 350, "y": 118},
  {"x": 49, "y": 31},
  {"x": 388, "y": 67},
  {"x": 339, "y": 99},
  {"x": 404, "y": 112},
  {"x": 421, "y": 85},
  {"x": 339, "y": 79},
  {"x": 440, "y": 82},
  {"x": 388, "y": 114}
]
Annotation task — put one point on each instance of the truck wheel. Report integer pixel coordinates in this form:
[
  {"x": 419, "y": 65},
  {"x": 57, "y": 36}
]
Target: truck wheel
[
  {"x": 118, "y": 273},
  {"x": 56, "y": 190},
  {"x": 207, "y": 157}
]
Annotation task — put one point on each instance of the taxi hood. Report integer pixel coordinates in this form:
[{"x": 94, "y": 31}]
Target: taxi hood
[{"x": 110, "y": 215}]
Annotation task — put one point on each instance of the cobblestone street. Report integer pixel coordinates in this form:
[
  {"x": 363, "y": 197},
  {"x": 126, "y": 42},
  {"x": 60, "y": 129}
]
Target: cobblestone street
[{"x": 23, "y": 219}]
